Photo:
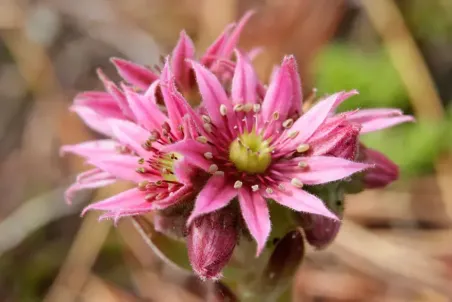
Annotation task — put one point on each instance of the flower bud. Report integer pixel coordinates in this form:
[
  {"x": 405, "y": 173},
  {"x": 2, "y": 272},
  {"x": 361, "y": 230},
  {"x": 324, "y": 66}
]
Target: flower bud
[
  {"x": 384, "y": 171},
  {"x": 320, "y": 231},
  {"x": 211, "y": 240},
  {"x": 338, "y": 138}
]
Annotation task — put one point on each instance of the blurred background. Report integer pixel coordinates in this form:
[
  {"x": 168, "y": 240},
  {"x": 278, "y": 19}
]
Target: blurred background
[{"x": 397, "y": 242}]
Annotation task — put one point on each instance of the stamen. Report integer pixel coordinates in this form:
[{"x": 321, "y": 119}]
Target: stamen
[
  {"x": 141, "y": 161},
  {"x": 219, "y": 173},
  {"x": 257, "y": 108},
  {"x": 166, "y": 127},
  {"x": 149, "y": 196},
  {"x": 202, "y": 139},
  {"x": 147, "y": 145},
  {"x": 293, "y": 134},
  {"x": 213, "y": 168},
  {"x": 287, "y": 123},
  {"x": 223, "y": 110},
  {"x": 247, "y": 107},
  {"x": 141, "y": 170},
  {"x": 238, "y": 184},
  {"x": 238, "y": 107},
  {"x": 208, "y": 127},
  {"x": 281, "y": 187},
  {"x": 142, "y": 185},
  {"x": 275, "y": 115},
  {"x": 269, "y": 190},
  {"x": 206, "y": 119},
  {"x": 208, "y": 155},
  {"x": 255, "y": 188},
  {"x": 302, "y": 164},
  {"x": 154, "y": 136},
  {"x": 302, "y": 148},
  {"x": 296, "y": 182}
]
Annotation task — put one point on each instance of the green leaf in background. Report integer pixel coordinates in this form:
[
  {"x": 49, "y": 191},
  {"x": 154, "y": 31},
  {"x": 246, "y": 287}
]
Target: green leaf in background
[{"x": 340, "y": 67}]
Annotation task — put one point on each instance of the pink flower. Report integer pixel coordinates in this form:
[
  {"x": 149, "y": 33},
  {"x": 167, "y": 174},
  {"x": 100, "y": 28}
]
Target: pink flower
[
  {"x": 135, "y": 154},
  {"x": 255, "y": 151},
  {"x": 95, "y": 107}
]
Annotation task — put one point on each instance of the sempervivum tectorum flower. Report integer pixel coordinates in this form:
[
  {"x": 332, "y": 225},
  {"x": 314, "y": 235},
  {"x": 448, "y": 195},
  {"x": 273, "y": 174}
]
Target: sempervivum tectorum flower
[{"x": 255, "y": 151}]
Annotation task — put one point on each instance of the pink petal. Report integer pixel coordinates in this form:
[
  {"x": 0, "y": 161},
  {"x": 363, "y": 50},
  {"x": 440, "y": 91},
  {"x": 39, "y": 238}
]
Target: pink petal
[
  {"x": 301, "y": 201},
  {"x": 92, "y": 119},
  {"x": 212, "y": 93},
  {"x": 131, "y": 135},
  {"x": 216, "y": 194},
  {"x": 192, "y": 151},
  {"x": 215, "y": 49},
  {"x": 279, "y": 96},
  {"x": 383, "y": 123},
  {"x": 365, "y": 115},
  {"x": 244, "y": 81},
  {"x": 184, "y": 171},
  {"x": 257, "y": 218},
  {"x": 91, "y": 149},
  {"x": 323, "y": 169},
  {"x": 100, "y": 102},
  {"x": 297, "y": 97},
  {"x": 146, "y": 111},
  {"x": 122, "y": 167},
  {"x": 234, "y": 37},
  {"x": 91, "y": 179},
  {"x": 254, "y": 52},
  {"x": 120, "y": 202},
  {"x": 135, "y": 74},
  {"x": 308, "y": 123},
  {"x": 116, "y": 93},
  {"x": 183, "y": 50}
]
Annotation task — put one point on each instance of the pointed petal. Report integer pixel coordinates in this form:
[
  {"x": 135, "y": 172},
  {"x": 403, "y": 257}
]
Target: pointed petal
[
  {"x": 297, "y": 97},
  {"x": 323, "y": 169},
  {"x": 301, "y": 201},
  {"x": 216, "y": 194},
  {"x": 308, "y": 123},
  {"x": 135, "y": 74},
  {"x": 100, "y": 102},
  {"x": 279, "y": 96},
  {"x": 146, "y": 111},
  {"x": 213, "y": 51},
  {"x": 91, "y": 179},
  {"x": 383, "y": 123},
  {"x": 192, "y": 151},
  {"x": 234, "y": 37},
  {"x": 92, "y": 119},
  {"x": 131, "y": 135},
  {"x": 256, "y": 215},
  {"x": 116, "y": 93},
  {"x": 122, "y": 167},
  {"x": 183, "y": 50},
  {"x": 212, "y": 92},
  {"x": 120, "y": 202},
  {"x": 91, "y": 149},
  {"x": 244, "y": 81},
  {"x": 365, "y": 115}
]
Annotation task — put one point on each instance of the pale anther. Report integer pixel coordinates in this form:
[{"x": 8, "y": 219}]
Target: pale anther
[
  {"x": 205, "y": 118},
  {"x": 202, "y": 139},
  {"x": 208, "y": 155},
  {"x": 238, "y": 184},
  {"x": 269, "y": 190},
  {"x": 256, "y": 107},
  {"x": 293, "y": 134},
  {"x": 219, "y": 173},
  {"x": 223, "y": 110},
  {"x": 247, "y": 107},
  {"x": 238, "y": 107},
  {"x": 255, "y": 188},
  {"x": 287, "y": 123},
  {"x": 213, "y": 168},
  {"x": 296, "y": 182},
  {"x": 302, "y": 148}
]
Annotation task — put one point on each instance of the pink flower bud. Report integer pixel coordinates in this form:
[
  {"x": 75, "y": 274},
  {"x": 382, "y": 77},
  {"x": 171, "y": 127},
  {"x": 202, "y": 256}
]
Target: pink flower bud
[
  {"x": 337, "y": 137},
  {"x": 211, "y": 241},
  {"x": 383, "y": 173},
  {"x": 320, "y": 231}
]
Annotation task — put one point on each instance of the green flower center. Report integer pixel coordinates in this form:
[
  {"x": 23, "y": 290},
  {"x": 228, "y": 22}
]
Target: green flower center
[
  {"x": 250, "y": 153},
  {"x": 167, "y": 162}
]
